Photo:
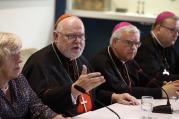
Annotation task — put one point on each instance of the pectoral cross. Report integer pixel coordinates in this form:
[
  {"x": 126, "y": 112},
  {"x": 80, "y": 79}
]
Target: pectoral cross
[
  {"x": 165, "y": 72},
  {"x": 83, "y": 102}
]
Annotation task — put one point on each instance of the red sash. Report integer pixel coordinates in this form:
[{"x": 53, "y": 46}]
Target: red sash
[{"x": 84, "y": 103}]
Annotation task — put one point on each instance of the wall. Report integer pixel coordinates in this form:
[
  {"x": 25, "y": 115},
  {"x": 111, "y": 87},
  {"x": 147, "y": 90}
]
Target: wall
[
  {"x": 60, "y": 8},
  {"x": 151, "y": 6},
  {"x": 32, "y": 20}
]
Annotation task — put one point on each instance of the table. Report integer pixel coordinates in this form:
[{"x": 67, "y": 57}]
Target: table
[{"x": 131, "y": 112}]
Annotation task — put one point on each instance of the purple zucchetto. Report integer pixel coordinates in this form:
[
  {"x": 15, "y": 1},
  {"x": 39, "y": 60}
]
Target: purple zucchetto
[
  {"x": 164, "y": 15},
  {"x": 120, "y": 25}
]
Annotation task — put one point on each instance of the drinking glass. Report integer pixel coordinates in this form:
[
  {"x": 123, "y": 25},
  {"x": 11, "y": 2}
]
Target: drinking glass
[
  {"x": 147, "y": 103},
  {"x": 146, "y": 106}
]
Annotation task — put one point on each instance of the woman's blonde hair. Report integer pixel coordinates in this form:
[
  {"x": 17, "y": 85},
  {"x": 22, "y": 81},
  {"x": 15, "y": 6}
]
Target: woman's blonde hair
[{"x": 9, "y": 44}]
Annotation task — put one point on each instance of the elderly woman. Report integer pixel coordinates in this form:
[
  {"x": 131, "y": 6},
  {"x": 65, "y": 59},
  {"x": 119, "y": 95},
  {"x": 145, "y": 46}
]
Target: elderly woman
[{"x": 17, "y": 99}]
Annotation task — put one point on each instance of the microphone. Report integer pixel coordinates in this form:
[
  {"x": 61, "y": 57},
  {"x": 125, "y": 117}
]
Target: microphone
[
  {"x": 80, "y": 89},
  {"x": 161, "y": 108}
]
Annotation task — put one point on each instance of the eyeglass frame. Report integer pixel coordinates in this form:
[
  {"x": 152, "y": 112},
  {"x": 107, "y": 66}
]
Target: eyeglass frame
[
  {"x": 73, "y": 37},
  {"x": 173, "y": 30},
  {"x": 131, "y": 43}
]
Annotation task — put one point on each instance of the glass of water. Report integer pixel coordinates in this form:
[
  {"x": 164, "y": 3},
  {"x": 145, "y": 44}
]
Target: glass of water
[
  {"x": 147, "y": 103},
  {"x": 147, "y": 106}
]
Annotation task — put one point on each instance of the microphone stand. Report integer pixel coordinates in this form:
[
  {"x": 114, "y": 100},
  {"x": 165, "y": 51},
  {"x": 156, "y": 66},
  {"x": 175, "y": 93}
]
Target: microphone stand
[
  {"x": 163, "y": 108},
  {"x": 80, "y": 89}
]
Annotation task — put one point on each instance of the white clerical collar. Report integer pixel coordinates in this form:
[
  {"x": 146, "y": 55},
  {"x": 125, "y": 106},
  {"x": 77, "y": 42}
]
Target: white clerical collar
[{"x": 153, "y": 34}]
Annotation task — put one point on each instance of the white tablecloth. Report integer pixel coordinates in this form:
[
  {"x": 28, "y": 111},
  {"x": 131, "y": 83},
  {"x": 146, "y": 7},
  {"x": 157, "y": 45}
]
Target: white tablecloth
[{"x": 131, "y": 112}]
